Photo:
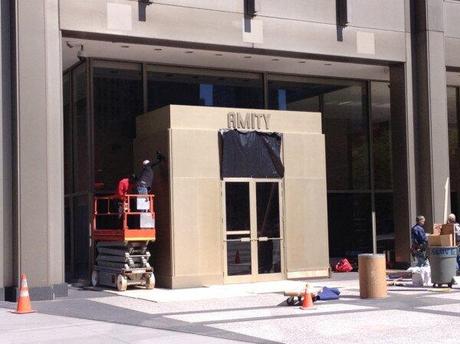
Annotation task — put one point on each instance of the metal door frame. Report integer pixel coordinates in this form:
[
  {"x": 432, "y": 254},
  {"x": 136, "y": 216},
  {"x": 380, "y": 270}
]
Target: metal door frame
[{"x": 254, "y": 276}]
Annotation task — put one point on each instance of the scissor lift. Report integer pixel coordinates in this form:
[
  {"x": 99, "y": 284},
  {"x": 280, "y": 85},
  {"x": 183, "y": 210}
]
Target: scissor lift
[{"x": 121, "y": 231}]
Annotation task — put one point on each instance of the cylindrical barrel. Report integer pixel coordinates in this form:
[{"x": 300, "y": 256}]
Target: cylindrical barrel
[
  {"x": 372, "y": 276},
  {"x": 443, "y": 263}
]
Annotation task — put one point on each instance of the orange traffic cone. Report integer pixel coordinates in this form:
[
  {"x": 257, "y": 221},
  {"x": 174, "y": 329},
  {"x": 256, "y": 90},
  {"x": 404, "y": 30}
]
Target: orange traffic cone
[
  {"x": 307, "y": 302},
  {"x": 237, "y": 257},
  {"x": 24, "y": 305}
]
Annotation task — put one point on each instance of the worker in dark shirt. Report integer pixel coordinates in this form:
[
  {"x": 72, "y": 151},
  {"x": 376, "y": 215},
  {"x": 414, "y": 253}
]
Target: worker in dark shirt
[
  {"x": 419, "y": 241},
  {"x": 145, "y": 180}
]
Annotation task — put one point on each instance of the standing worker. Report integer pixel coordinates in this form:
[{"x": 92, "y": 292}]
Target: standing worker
[
  {"x": 451, "y": 219},
  {"x": 145, "y": 180},
  {"x": 419, "y": 241}
]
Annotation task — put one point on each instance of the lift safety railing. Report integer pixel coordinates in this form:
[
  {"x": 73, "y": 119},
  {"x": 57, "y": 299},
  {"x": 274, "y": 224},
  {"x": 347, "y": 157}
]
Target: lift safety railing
[{"x": 112, "y": 214}]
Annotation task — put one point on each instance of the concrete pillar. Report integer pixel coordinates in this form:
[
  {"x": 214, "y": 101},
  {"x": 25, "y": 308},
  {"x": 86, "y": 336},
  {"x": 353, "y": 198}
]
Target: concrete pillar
[
  {"x": 6, "y": 227},
  {"x": 39, "y": 149},
  {"x": 402, "y": 136},
  {"x": 431, "y": 126}
]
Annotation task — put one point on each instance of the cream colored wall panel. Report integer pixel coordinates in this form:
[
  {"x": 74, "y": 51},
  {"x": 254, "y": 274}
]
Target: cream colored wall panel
[
  {"x": 151, "y": 122},
  {"x": 195, "y": 153},
  {"x": 306, "y": 224},
  {"x": 161, "y": 253},
  {"x": 186, "y": 232},
  {"x": 304, "y": 156},
  {"x": 197, "y": 247}
]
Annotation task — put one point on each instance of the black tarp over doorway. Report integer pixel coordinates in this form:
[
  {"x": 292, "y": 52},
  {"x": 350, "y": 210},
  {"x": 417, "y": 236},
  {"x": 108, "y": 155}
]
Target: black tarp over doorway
[{"x": 250, "y": 154}]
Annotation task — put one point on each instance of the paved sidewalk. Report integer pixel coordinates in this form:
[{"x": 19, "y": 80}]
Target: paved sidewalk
[{"x": 255, "y": 313}]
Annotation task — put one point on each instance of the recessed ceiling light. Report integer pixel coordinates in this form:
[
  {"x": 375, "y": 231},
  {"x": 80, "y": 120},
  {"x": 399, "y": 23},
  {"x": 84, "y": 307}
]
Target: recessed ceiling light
[
  {"x": 328, "y": 64},
  {"x": 125, "y": 46},
  {"x": 275, "y": 59},
  {"x": 189, "y": 52},
  {"x": 158, "y": 49},
  {"x": 248, "y": 57}
]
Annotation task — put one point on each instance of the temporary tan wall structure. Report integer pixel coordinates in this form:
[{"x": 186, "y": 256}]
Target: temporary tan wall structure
[{"x": 189, "y": 249}]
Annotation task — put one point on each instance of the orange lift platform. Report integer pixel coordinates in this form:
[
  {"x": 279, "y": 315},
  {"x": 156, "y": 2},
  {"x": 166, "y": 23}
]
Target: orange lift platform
[{"x": 121, "y": 231}]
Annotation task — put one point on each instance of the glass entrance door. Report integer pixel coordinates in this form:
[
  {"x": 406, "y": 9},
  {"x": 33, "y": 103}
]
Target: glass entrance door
[{"x": 252, "y": 230}]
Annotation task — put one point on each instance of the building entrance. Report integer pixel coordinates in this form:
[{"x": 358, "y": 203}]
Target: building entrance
[{"x": 253, "y": 235}]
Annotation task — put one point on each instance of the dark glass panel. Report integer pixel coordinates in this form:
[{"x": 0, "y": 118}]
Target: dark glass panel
[
  {"x": 81, "y": 237},
  {"x": 80, "y": 129},
  {"x": 238, "y": 258},
  {"x": 345, "y": 124},
  {"x": 269, "y": 256},
  {"x": 268, "y": 211},
  {"x": 384, "y": 221},
  {"x": 295, "y": 96},
  {"x": 118, "y": 99},
  {"x": 381, "y": 135},
  {"x": 191, "y": 87},
  {"x": 350, "y": 224},
  {"x": 237, "y": 206}
]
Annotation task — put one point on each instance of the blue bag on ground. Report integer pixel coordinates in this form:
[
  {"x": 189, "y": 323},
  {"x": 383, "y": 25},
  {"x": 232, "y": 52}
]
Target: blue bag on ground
[{"x": 329, "y": 294}]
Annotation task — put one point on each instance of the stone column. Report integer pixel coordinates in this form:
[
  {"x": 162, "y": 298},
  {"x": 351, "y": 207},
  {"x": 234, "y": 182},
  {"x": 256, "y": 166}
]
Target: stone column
[
  {"x": 39, "y": 149},
  {"x": 402, "y": 136},
  {"x": 431, "y": 126}
]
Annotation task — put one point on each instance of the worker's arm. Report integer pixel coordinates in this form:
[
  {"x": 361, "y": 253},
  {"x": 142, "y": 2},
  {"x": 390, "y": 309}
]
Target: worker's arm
[{"x": 160, "y": 158}]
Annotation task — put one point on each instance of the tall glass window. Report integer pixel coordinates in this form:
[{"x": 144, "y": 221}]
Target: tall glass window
[
  {"x": 345, "y": 124},
  {"x": 188, "y": 86},
  {"x": 118, "y": 99},
  {"x": 358, "y": 134}
]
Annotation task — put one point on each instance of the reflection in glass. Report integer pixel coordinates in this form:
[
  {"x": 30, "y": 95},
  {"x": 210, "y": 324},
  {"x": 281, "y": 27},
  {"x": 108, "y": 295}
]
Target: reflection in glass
[
  {"x": 117, "y": 101},
  {"x": 350, "y": 224},
  {"x": 268, "y": 212},
  {"x": 381, "y": 135},
  {"x": 238, "y": 258},
  {"x": 187, "y": 86},
  {"x": 237, "y": 206},
  {"x": 347, "y": 139},
  {"x": 269, "y": 256}
]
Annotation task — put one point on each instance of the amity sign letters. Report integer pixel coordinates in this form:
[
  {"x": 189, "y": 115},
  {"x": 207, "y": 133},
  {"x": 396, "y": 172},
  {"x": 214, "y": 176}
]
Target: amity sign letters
[{"x": 248, "y": 121}]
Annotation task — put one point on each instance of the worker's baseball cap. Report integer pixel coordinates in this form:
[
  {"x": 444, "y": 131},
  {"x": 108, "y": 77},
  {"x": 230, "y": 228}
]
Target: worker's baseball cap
[{"x": 146, "y": 162}]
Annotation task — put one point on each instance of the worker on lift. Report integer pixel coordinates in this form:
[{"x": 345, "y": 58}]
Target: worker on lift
[
  {"x": 145, "y": 180},
  {"x": 125, "y": 186}
]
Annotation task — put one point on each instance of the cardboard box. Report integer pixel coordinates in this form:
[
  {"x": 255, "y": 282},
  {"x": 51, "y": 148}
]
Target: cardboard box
[
  {"x": 440, "y": 240},
  {"x": 448, "y": 229},
  {"x": 437, "y": 227}
]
